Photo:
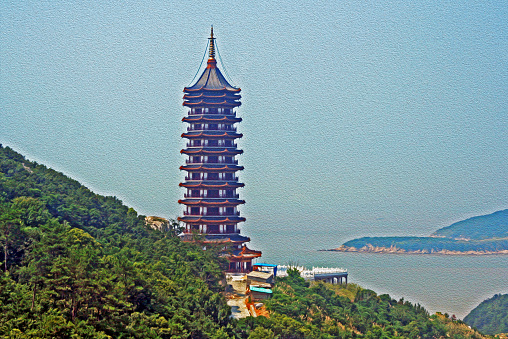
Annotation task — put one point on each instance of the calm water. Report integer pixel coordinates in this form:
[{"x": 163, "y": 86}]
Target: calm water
[{"x": 452, "y": 284}]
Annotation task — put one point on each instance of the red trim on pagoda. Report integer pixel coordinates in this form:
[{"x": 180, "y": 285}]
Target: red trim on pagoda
[{"x": 214, "y": 203}]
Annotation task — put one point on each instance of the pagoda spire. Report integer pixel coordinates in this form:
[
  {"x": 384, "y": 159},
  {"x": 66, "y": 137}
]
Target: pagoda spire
[{"x": 211, "y": 53}]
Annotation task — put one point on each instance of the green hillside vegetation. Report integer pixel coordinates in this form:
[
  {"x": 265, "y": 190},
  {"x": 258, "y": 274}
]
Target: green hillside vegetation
[
  {"x": 77, "y": 264},
  {"x": 491, "y": 316},
  {"x": 74, "y": 264},
  {"x": 494, "y": 225},
  {"x": 315, "y": 310}
]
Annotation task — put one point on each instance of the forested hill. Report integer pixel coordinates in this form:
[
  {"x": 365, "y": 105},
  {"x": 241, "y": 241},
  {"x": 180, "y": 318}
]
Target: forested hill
[
  {"x": 74, "y": 264},
  {"x": 491, "y": 316},
  {"x": 493, "y": 225},
  {"x": 83, "y": 265}
]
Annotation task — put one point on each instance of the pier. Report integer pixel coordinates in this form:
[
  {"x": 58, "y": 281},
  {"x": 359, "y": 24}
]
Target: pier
[{"x": 326, "y": 274}]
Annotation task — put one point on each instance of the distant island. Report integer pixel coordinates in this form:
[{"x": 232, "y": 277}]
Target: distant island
[{"x": 480, "y": 235}]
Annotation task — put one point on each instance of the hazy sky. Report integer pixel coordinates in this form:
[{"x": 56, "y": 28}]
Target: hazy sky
[{"x": 387, "y": 117}]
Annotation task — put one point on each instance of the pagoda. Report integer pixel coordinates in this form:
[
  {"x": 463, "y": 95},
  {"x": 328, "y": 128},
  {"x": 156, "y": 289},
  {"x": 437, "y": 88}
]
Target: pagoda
[{"x": 211, "y": 200}]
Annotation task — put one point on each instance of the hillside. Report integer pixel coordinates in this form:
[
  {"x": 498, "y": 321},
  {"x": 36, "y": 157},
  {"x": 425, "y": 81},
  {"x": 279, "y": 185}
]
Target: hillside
[
  {"x": 489, "y": 226},
  {"x": 75, "y": 264},
  {"x": 491, "y": 316},
  {"x": 78, "y": 264},
  {"x": 486, "y": 234}
]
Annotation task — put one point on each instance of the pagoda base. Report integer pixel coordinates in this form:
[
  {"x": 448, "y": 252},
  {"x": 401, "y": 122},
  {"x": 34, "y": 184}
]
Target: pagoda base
[{"x": 239, "y": 256}]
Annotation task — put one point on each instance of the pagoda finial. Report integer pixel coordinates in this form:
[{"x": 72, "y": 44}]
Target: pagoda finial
[{"x": 211, "y": 54}]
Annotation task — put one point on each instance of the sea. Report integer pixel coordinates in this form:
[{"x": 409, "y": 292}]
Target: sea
[{"x": 453, "y": 284}]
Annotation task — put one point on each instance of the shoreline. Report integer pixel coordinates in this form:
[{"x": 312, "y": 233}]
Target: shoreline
[{"x": 396, "y": 250}]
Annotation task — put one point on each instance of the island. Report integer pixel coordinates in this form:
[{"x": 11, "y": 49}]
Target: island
[{"x": 480, "y": 235}]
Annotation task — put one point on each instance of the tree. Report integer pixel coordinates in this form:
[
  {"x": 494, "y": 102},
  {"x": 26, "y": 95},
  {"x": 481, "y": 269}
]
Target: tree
[{"x": 10, "y": 230}]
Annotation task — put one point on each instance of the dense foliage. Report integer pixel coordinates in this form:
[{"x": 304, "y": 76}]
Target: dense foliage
[
  {"x": 493, "y": 225},
  {"x": 317, "y": 310},
  {"x": 74, "y": 264},
  {"x": 491, "y": 316},
  {"x": 79, "y": 264}
]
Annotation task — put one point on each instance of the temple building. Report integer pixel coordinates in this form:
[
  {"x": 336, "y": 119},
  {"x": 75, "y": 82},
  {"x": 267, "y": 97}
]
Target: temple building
[{"x": 211, "y": 199}]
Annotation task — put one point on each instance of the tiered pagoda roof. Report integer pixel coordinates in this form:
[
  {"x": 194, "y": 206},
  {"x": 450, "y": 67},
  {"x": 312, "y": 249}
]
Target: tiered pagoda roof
[{"x": 212, "y": 88}]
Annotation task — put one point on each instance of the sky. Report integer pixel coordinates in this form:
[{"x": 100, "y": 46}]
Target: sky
[{"x": 359, "y": 117}]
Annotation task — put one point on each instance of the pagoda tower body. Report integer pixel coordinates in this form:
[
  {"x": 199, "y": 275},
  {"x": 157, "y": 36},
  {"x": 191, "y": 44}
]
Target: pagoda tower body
[{"x": 211, "y": 199}]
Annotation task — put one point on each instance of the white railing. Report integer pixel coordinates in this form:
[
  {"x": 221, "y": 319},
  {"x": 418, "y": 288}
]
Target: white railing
[{"x": 309, "y": 274}]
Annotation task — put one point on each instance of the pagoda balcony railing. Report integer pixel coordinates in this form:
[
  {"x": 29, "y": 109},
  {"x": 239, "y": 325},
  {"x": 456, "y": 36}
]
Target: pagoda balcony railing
[
  {"x": 234, "y": 196},
  {"x": 219, "y": 232},
  {"x": 211, "y": 146},
  {"x": 190, "y": 179},
  {"x": 226, "y": 128},
  {"x": 232, "y": 162},
  {"x": 213, "y": 214},
  {"x": 224, "y": 112}
]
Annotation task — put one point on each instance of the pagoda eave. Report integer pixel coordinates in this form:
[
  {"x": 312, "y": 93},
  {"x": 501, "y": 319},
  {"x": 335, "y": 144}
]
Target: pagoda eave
[
  {"x": 203, "y": 151},
  {"x": 210, "y": 220},
  {"x": 190, "y": 89},
  {"x": 232, "y": 96},
  {"x": 232, "y": 239},
  {"x": 202, "y": 118},
  {"x": 191, "y": 135},
  {"x": 244, "y": 254},
  {"x": 209, "y": 202},
  {"x": 210, "y": 185},
  {"x": 211, "y": 168}
]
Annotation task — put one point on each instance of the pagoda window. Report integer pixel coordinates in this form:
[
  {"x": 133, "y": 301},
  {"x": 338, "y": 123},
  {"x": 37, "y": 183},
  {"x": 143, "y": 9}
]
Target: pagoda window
[
  {"x": 213, "y": 159},
  {"x": 228, "y": 176},
  {"x": 206, "y": 110},
  {"x": 213, "y": 110},
  {"x": 195, "y": 194},
  {"x": 194, "y": 210},
  {"x": 196, "y": 126},
  {"x": 196, "y": 159},
  {"x": 230, "y": 194},
  {"x": 196, "y": 142},
  {"x": 214, "y": 229},
  {"x": 213, "y": 211},
  {"x": 213, "y": 176},
  {"x": 230, "y": 228},
  {"x": 228, "y": 143},
  {"x": 213, "y": 143},
  {"x": 195, "y": 227},
  {"x": 230, "y": 210},
  {"x": 196, "y": 176},
  {"x": 229, "y": 160},
  {"x": 196, "y": 110},
  {"x": 212, "y": 127},
  {"x": 213, "y": 193}
]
